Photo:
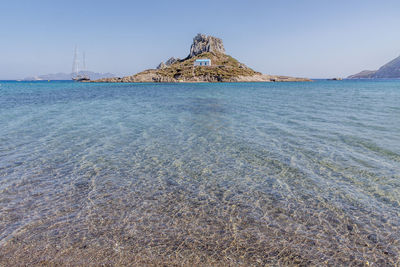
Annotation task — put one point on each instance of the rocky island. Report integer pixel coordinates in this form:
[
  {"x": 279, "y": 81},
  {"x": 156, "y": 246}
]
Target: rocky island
[{"x": 206, "y": 62}]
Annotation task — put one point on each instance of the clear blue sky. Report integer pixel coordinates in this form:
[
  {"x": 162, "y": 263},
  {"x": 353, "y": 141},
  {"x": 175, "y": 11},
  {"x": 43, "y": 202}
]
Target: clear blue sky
[{"x": 312, "y": 38}]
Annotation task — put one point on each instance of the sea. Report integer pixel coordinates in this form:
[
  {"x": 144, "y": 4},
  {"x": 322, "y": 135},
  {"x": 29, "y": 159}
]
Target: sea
[{"x": 200, "y": 174}]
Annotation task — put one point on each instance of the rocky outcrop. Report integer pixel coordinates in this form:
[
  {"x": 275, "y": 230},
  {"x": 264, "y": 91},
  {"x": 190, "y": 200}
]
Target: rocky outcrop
[
  {"x": 161, "y": 66},
  {"x": 171, "y": 61},
  {"x": 167, "y": 63},
  {"x": 203, "y": 43},
  {"x": 389, "y": 70}
]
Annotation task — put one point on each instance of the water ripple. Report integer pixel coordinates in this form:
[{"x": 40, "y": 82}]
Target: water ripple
[{"x": 200, "y": 174}]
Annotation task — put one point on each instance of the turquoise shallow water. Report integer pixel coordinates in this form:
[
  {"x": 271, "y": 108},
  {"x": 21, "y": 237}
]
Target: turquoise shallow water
[{"x": 200, "y": 174}]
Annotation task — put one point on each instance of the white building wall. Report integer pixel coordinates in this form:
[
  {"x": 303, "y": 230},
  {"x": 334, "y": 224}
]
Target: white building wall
[{"x": 202, "y": 63}]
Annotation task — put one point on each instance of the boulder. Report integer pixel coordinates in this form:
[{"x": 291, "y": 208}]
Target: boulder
[
  {"x": 171, "y": 61},
  {"x": 161, "y": 66}
]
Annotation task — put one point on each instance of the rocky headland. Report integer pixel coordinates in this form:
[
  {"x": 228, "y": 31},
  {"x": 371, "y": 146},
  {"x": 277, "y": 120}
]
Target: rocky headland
[
  {"x": 389, "y": 70},
  {"x": 224, "y": 68}
]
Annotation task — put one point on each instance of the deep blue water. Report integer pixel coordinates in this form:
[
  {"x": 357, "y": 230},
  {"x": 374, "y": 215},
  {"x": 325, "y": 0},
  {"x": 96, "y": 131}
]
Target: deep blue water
[{"x": 200, "y": 174}]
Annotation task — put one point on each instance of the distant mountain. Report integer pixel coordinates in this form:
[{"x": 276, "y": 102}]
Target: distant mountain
[
  {"x": 365, "y": 74},
  {"x": 66, "y": 76},
  {"x": 389, "y": 70}
]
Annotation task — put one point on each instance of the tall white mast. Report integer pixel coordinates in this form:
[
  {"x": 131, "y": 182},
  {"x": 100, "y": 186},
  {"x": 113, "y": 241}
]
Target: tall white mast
[
  {"x": 84, "y": 62},
  {"x": 75, "y": 64}
]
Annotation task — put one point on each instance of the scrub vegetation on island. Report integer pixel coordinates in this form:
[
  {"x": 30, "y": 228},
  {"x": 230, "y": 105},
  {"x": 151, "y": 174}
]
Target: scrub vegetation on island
[{"x": 224, "y": 68}]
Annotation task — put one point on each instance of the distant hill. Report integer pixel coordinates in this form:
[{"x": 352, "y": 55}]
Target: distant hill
[
  {"x": 65, "y": 76},
  {"x": 222, "y": 67},
  {"x": 389, "y": 70}
]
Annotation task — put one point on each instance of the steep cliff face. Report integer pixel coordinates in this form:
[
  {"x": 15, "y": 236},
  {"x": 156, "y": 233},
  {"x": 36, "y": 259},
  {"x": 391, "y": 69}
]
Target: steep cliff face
[
  {"x": 203, "y": 43},
  {"x": 389, "y": 70}
]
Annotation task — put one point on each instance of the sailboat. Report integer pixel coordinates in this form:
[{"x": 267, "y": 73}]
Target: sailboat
[{"x": 76, "y": 76}]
